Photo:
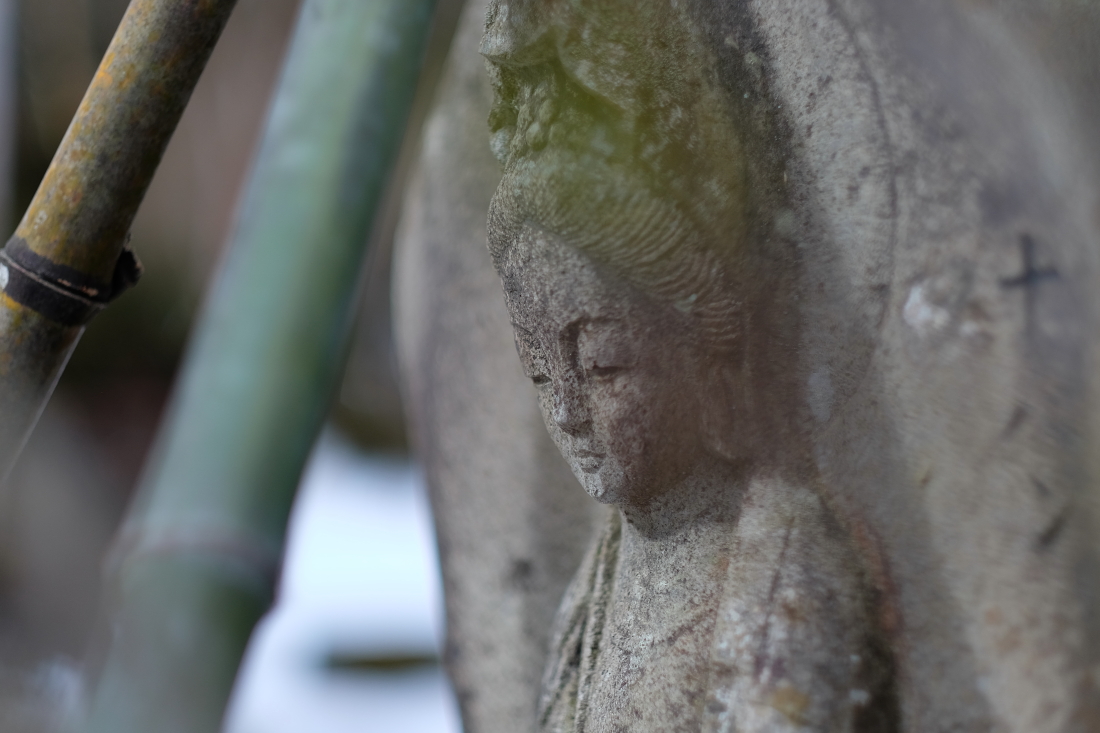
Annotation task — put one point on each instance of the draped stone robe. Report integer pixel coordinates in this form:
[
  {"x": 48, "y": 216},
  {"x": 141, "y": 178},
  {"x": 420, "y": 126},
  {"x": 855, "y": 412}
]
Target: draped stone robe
[{"x": 796, "y": 644}]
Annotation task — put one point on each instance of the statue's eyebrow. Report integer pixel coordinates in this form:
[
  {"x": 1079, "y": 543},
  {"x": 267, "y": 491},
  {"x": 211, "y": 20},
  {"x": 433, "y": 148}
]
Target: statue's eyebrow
[
  {"x": 572, "y": 329},
  {"x": 571, "y": 332},
  {"x": 598, "y": 321},
  {"x": 531, "y": 347},
  {"x": 569, "y": 336}
]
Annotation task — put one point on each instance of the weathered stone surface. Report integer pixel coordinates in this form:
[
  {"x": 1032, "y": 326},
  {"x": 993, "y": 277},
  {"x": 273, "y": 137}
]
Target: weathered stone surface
[
  {"x": 512, "y": 522},
  {"x": 633, "y": 235},
  {"x": 848, "y": 251}
]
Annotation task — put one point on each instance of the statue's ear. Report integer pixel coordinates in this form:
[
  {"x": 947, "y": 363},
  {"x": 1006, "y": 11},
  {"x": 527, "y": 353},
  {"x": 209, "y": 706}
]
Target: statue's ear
[{"x": 723, "y": 410}]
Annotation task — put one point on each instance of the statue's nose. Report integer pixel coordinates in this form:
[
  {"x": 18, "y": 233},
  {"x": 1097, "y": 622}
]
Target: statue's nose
[{"x": 570, "y": 409}]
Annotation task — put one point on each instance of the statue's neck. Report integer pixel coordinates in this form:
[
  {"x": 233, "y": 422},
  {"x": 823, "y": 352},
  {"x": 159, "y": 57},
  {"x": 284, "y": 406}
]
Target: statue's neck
[
  {"x": 673, "y": 554},
  {"x": 709, "y": 496}
]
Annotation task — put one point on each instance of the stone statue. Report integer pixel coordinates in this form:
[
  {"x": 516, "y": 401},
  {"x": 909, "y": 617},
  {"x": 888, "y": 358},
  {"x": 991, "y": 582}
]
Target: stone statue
[
  {"x": 723, "y": 594},
  {"x": 808, "y": 291}
]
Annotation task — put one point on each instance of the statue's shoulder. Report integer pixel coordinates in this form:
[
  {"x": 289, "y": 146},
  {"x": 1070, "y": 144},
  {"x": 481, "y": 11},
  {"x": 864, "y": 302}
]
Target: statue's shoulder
[
  {"x": 796, "y": 640},
  {"x": 787, "y": 528}
]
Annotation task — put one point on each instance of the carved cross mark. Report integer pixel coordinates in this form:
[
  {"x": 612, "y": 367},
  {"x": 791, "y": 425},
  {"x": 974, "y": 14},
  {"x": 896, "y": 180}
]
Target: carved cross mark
[{"x": 1030, "y": 278}]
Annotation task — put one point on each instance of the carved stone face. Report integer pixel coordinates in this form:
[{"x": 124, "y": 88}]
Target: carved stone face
[
  {"x": 611, "y": 310},
  {"x": 618, "y": 374}
]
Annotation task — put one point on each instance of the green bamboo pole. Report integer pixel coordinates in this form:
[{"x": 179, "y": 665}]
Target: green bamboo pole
[
  {"x": 195, "y": 566},
  {"x": 67, "y": 259}
]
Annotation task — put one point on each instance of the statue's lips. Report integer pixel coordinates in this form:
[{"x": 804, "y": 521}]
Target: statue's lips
[{"x": 588, "y": 461}]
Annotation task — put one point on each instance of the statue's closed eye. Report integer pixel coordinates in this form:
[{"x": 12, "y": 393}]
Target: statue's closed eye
[
  {"x": 603, "y": 372},
  {"x": 605, "y": 350}
]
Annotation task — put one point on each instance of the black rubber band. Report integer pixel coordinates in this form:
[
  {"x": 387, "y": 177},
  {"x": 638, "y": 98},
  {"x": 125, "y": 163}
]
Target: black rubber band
[
  {"x": 24, "y": 288},
  {"x": 58, "y": 292},
  {"x": 62, "y": 276}
]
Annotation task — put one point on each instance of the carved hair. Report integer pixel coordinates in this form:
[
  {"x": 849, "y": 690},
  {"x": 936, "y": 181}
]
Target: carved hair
[
  {"x": 642, "y": 174},
  {"x": 639, "y": 236}
]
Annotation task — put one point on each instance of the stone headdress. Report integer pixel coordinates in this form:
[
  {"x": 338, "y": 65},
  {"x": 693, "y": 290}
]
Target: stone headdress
[{"x": 631, "y": 162}]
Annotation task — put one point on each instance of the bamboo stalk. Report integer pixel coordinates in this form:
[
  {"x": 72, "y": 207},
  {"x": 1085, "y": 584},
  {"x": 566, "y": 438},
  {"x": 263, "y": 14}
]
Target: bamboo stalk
[
  {"x": 196, "y": 564},
  {"x": 67, "y": 259}
]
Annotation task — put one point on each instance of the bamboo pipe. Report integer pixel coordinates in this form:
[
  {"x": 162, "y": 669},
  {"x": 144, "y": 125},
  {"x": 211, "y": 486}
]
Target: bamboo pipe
[
  {"x": 196, "y": 563},
  {"x": 68, "y": 257}
]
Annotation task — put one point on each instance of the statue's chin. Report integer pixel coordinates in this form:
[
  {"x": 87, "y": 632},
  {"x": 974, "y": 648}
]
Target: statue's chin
[{"x": 604, "y": 485}]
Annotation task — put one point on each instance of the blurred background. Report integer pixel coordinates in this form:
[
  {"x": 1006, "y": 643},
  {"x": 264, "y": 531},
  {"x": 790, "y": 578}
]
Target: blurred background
[{"x": 352, "y": 643}]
